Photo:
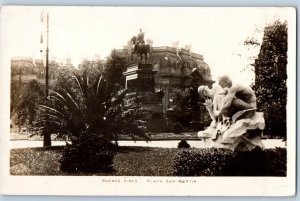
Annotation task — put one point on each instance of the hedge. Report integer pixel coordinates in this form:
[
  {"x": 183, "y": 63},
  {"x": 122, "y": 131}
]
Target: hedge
[{"x": 223, "y": 162}]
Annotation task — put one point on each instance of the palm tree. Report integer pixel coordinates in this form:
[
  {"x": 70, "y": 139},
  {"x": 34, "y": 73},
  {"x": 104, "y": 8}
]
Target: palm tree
[{"x": 89, "y": 107}]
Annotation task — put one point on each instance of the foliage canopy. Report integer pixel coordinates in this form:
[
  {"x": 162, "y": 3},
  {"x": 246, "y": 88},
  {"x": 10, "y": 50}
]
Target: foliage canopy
[{"x": 271, "y": 76}]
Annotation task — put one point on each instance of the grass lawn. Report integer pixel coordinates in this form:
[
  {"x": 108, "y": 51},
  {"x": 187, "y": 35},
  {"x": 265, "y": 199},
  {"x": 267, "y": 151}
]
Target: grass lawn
[{"x": 129, "y": 161}]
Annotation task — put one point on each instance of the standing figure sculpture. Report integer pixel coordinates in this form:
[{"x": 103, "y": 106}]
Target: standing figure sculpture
[{"x": 139, "y": 46}]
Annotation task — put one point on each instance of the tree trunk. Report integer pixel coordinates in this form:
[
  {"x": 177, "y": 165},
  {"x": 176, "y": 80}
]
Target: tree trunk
[{"x": 47, "y": 139}]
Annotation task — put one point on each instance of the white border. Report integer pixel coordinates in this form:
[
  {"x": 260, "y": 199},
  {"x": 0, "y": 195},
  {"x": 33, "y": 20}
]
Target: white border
[{"x": 94, "y": 185}]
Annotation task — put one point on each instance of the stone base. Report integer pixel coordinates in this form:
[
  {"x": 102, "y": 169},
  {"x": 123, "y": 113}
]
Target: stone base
[{"x": 243, "y": 135}]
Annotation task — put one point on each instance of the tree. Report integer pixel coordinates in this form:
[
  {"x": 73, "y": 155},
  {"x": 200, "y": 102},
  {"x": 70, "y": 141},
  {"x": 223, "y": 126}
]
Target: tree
[
  {"x": 29, "y": 99},
  {"x": 64, "y": 78},
  {"x": 18, "y": 86},
  {"x": 188, "y": 108},
  {"x": 180, "y": 99},
  {"x": 16, "y": 92},
  {"x": 113, "y": 71},
  {"x": 270, "y": 78}
]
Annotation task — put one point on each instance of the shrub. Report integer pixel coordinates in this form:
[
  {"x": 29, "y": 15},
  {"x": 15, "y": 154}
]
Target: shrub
[
  {"x": 201, "y": 162},
  {"x": 269, "y": 162},
  {"x": 88, "y": 154},
  {"x": 164, "y": 126},
  {"x": 277, "y": 159},
  {"x": 177, "y": 128},
  {"x": 222, "y": 162},
  {"x": 183, "y": 144}
]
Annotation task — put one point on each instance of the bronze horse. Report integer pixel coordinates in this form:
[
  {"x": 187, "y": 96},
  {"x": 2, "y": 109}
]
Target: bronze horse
[{"x": 140, "y": 49}]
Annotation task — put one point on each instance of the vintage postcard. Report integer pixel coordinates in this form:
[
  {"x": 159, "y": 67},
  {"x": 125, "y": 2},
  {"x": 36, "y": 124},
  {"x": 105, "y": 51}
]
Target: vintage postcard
[{"x": 148, "y": 101}]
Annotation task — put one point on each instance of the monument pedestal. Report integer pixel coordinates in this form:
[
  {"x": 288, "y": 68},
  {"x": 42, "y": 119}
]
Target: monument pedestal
[
  {"x": 140, "y": 78},
  {"x": 140, "y": 84}
]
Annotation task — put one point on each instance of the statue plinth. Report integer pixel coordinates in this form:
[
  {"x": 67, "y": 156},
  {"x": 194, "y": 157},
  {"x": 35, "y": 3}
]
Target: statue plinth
[
  {"x": 140, "y": 78},
  {"x": 140, "y": 84}
]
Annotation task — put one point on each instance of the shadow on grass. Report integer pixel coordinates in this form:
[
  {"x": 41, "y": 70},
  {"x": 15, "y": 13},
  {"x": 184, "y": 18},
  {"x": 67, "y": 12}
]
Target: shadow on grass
[
  {"x": 120, "y": 149},
  {"x": 52, "y": 148},
  {"x": 127, "y": 149}
]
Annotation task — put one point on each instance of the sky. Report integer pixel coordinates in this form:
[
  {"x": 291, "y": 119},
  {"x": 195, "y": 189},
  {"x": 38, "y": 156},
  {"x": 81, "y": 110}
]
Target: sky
[{"x": 88, "y": 32}]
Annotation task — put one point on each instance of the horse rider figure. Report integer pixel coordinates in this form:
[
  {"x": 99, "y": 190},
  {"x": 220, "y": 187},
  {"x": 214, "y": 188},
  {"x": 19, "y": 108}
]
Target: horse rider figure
[
  {"x": 140, "y": 48},
  {"x": 140, "y": 38}
]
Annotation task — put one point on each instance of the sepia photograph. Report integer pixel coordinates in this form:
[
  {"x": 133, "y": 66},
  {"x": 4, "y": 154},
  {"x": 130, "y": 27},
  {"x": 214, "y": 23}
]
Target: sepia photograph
[{"x": 148, "y": 101}]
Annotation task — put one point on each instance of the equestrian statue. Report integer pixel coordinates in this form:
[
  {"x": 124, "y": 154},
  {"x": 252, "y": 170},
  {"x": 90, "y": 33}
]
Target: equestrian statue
[{"x": 139, "y": 47}]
